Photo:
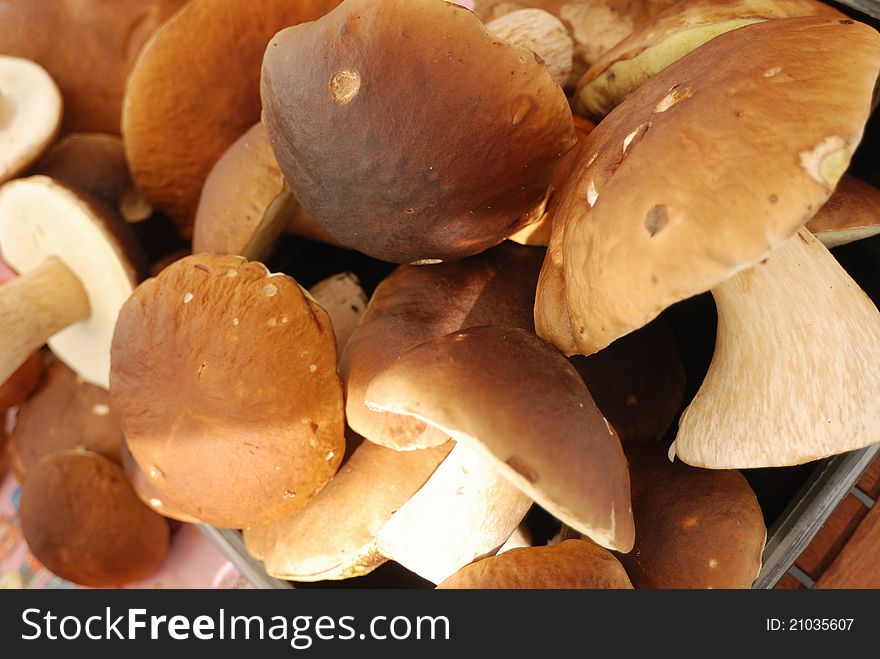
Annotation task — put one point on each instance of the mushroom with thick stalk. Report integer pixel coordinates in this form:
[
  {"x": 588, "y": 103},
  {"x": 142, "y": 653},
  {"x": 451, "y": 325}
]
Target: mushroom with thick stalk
[
  {"x": 82, "y": 520},
  {"x": 570, "y": 564},
  {"x": 664, "y": 238},
  {"x": 78, "y": 263},
  {"x": 431, "y": 183},
  {"x": 224, "y": 378},
  {"x": 415, "y": 304},
  {"x": 195, "y": 89},
  {"x": 671, "y": 35},
  {"x": 523, "y": 407},
  {"x": 30, "y": 114}
]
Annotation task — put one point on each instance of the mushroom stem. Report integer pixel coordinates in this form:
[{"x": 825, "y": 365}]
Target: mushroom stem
[
  {"x": 344, "y": 300},
  {"x": 543, "y": 34},
  {"x": 36, "y": 306},
  {"x": 791, "y": 379}
]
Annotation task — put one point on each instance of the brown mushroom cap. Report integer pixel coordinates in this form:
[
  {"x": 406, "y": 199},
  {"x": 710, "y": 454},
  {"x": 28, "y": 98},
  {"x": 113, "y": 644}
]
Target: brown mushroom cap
[
  {"x": 22, "y": 383},
  {"x": 245, "y": 205},
  {"x": 777, "y": 129},
  {"x": 30, "y": 113},
  {"x": 521, "y": 405},
  {"x": 696, "y": 528},
  {"x": 671, "y": 35},
  {"x": 82, "y": 520},
  {"x": 851, "y": 213},
  {"x": 64, "y": 413},
  {"x": 107, "y": 34},
  {"x": 195, "y": 89},
  {"x": 419, "y": 303},
  {"x": 570, "y": 564},
  {"x": 225, "y": 380},
  {"x": 398, "y": 169}
]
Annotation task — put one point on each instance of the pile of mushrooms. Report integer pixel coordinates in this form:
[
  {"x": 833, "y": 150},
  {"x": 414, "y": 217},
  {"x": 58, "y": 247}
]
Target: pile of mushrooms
[{"x": 367, "y": 313}]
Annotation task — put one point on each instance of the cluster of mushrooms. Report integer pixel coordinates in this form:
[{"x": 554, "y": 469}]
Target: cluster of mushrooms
[{"x": 536, "y": 182}]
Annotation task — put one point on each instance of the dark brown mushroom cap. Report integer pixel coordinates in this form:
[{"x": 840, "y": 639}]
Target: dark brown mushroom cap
[
  {"x": 419, "y": 303},
  {"x": 695, "y": 528},
  {"x": 851, "y": 213},
  {"x": 570, "y": 564},
  {"x": 195, "y": 89},
  {"x": 224, "y": 378},
  {"x": 64, "y": 413},
  {"x": 516, "y": 401},
  {"x": 646, "y": 220},
  {"x": 438, "y": 159},
  {"x": 22, "y": 382},
  {"x": 107, "y": 36},
  {"x": 82, "y": 520}
]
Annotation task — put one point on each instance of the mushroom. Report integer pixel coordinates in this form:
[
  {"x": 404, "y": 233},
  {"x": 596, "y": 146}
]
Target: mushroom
[
  {"x": 78, "y": 263},
  {"x": 30, "y": 114},
  {"x": 95, "y": 163},
  {"x": 682, "y": 234},
  {"x": 342, "y": 297},
  {"x": 697, "y": 528},
  {"x": 523, "y": 407},
  {"x": 851, "y": 213},
  {"x": 540, "y": 32},
  {"x": 22, "y": 383},
  {"x": 224, "y": 378},
  {"x": 431, "y": 182},
  {"x": 418, "y": 303},
  {"x": 81, "y": 520},
  {"x": 194, "y": 90},
  {"x": 64, "y": 413},
  {"x": 435, "y": 511},
  {"x": 245, "y": 205},
  {"x": 671, "y": 35},
  {"x": 570, "y": 564}
]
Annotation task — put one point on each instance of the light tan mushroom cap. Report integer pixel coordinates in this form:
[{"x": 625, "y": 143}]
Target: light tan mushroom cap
[
  {"x": 570, "y": 564},
  {"x": 521, "y": 405},
  {"x": 30, "y": 114},
  {"x": 419, "y": 303},
  {"x": 851, "y": 213},
  {"x": 225, "y": 380},
  {"x": 696, "y": 528},
  {"x": 739, "y": 158},
  {"x": 195, "y": 89},
  {"x": 671, "y": 35},
  {"x": 82, "y": 520}
]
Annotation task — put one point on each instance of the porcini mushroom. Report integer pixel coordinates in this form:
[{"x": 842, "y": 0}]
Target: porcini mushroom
[
  {"x": 682, "y": 234},
  {"x": 224, "y": 378},
  {"x": 851, "y": 213},
  {"x": 418, "y": 303},
  {"x": 195, "y": 89},
  {"x": 521, "y": 405},
  {"x": 342, "y": 297},
  {"x": 570, "y": 564},
  {"x": 21, "y": 384},
  {"x": 697, "y": 528},
  {"x": 81, "y": 520},
  {"x": 431, "y": 183},
  {"x": 540, "y": 32},
  {"x": 671, "y": 35},
  {"x": 64, "y": 413},
  {"x": 30, "y": 114},
  {"x": 78, "y": 263}
]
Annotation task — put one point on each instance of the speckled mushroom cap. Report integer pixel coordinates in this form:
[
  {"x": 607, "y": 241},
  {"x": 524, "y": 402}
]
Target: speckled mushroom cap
[
  {"x": 521, "y": 405},
  {"x": 195, "y": 89},
  {"x": 695, "y": 528},
  {"x": 778, "y": 130},
  {"x": 419, "y": 303},
  {"x": 64, "y": 413},
  {"x": 224, "y": 378},
  {"x": 851, "y": 213},
  {"x": 671, "y": 35},
  {"x": 22, "y": 383},
  {"x": 30, "y": 114},
  {"x": 570, "y": 564},
  {"x": 108, "y": 36},
  {"x": 82, "y": 520},
  {"x": 396, "y": 168}
]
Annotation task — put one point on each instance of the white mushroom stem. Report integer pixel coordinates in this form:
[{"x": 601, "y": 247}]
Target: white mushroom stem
[
  {"x": 794, "y": 376},
  {"x": 344, "y": 300},
  {"x": 543, "y": 34},
  {"x": 36, "y": 306}
]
